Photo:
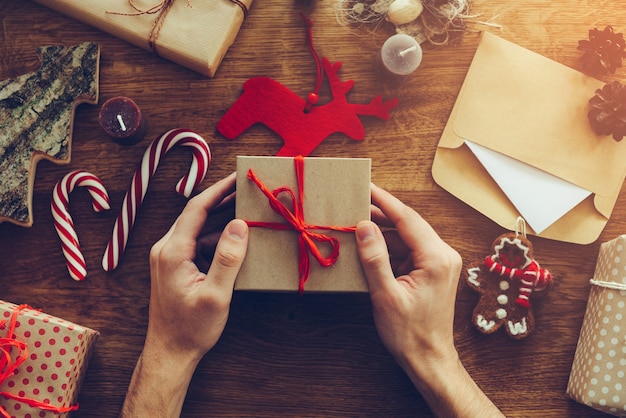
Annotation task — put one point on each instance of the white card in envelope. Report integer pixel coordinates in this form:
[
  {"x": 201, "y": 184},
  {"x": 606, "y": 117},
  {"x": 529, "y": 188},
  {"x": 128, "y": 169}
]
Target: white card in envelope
[{"x": 540, "y": 197}]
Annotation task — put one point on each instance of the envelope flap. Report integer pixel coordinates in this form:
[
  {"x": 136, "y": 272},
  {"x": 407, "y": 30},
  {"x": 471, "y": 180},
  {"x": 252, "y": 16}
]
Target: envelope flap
[{"x": 533, "y": 109}]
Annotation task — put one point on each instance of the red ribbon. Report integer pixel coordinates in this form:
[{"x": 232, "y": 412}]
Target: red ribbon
[
  {"x": 307, "y": 239},
  {"x": 9, "y": 364}
]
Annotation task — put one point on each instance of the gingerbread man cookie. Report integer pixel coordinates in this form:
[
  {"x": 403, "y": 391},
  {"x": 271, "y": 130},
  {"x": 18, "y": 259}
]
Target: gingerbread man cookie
[{"x": 507, "y": 279}]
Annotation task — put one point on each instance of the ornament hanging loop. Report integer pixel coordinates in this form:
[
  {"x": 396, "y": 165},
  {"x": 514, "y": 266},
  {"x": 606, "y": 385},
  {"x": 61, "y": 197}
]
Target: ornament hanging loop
[
  {"x": 312, "y": 98},
  {"x": 520, "y": 227}
]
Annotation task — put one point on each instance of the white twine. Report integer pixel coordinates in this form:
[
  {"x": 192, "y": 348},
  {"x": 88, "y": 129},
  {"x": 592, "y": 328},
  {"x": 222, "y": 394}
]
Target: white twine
[
  {"x": 608, "y": 285},
  {"x": 520, "y": 227},
  {"x": 361, "y": 12},
  {"x": 434, "y": 24}
]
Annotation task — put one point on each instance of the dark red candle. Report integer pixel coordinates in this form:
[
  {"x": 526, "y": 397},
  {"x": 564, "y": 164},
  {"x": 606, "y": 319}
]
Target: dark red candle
[{"x": 122, "y": 120}]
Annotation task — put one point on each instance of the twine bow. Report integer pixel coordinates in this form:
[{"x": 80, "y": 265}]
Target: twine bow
[
  {"x": 307, "y": 239},
  {"x": 161, "y": 9},
  {"x": 13, "y": 353}
]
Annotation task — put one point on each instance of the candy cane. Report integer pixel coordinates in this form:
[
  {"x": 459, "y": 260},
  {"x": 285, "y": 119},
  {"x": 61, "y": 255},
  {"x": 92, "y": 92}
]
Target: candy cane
[
  {"x": 63, "y": 222},
  {"x": 139, "y": 185}
]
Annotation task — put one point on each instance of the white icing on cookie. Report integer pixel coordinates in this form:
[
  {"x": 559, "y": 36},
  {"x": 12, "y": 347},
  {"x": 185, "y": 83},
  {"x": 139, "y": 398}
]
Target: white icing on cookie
[
  {"x": 482, "y": 323},
  {"x": 472, "y": 276},
  {"x": 501, "y": 313},
  {"x": 518, "y": 327}
]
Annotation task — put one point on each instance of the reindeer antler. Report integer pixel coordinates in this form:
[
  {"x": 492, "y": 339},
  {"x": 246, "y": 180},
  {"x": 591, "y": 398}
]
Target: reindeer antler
[
  {"x": 340, "y": 88},
  {"x": 376, "y": 107},
  {"x": 337, "y": 87}
]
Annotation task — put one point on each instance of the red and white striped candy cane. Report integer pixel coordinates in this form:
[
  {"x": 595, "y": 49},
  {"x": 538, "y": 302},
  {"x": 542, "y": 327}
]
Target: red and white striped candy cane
[
  {"x": 63, "y": 222},
  {"x": 139, "y": 185}
]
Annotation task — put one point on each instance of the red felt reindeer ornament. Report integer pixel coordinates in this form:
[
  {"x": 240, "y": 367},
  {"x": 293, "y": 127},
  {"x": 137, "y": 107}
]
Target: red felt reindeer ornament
[{"x": 303, "y": 124}]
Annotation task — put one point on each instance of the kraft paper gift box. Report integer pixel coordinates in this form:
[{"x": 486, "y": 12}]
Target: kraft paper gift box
[
  {"x": 55, "y": 366},
  {"x": 194, "y": 33},
  {"x": 598, "y": 375},
  {"x": 529, "y": 111},
  {"x": 336, "y": 192}
]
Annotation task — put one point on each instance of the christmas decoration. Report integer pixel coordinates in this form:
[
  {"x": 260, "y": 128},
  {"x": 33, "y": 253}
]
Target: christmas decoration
[
  {"x": 139, "y": 185},
  {"x": 506, "y": 281},
  {"x": 603, "y": 52},
  {"x": 43, "y": 361},
  {"x": 303, "y": 125},
  {"x": 437, "y": 22},
  {"x": 36, "y": 113},
  {"x": 401, "y": 12},
  {"x": 361, "y": 12},
  {"x": 63, "y": 222},
  {"x": 607, "y": 115},
  {"x": 122, "y": 120}
]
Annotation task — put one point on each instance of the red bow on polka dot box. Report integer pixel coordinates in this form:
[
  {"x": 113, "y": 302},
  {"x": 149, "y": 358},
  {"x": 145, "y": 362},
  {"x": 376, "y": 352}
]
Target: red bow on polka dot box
[
  {"x": 43, "y": 361},
  {"x": 598, "y": 376}
]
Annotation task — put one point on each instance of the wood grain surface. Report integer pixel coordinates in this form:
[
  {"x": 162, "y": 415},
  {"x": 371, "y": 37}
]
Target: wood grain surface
[{"x": 282, "y": 354}]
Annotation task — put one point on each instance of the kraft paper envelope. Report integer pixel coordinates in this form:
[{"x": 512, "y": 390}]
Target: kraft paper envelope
[{"x": 530, "y": 108}]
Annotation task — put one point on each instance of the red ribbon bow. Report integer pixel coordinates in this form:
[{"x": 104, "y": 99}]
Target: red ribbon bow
[
  {"x": 8, "y": 365},
  {"x": 307, "y": 239}
]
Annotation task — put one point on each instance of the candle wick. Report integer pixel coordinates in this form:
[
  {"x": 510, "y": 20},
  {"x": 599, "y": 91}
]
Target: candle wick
[
  {"x": 121, "y": 121},
  {"x": 406, "y": 51}
]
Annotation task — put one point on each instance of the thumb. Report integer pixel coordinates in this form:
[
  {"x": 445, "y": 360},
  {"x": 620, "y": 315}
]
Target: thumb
[
  {"x": 229, "y": 254},
  {"x": 374, "y": 255}
]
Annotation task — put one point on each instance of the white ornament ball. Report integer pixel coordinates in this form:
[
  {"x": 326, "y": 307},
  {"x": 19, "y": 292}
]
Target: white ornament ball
[{"x": 401, "y": 12}]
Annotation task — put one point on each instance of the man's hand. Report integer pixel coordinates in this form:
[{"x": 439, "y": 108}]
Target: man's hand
[
  {"x": 188, "y": 308},
  {"x": 413, "y": 276}
]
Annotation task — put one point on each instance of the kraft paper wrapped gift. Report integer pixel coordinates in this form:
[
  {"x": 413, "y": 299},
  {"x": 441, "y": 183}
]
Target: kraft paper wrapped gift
[
  {"x": 598, "y": 375},
  {"x": 531, "y": 112},
  {"x": 55, "y": 366},
  {"x": 336, "y": 192},
  {"x": 193, "y": 33}
]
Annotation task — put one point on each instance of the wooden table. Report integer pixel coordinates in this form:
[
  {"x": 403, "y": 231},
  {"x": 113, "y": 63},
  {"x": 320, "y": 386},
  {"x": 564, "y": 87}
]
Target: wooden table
[{"x": 281, "y": 354}]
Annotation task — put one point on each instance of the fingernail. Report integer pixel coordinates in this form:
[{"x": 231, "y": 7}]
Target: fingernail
[
  {"x": 364, "y": 231},
  {"x": 237, "y": 229}
]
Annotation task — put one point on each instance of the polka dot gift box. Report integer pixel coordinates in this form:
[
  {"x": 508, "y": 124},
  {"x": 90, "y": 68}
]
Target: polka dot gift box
[
  {"x": 43, "y": 361},
  {"x": 598, "y": 376}
]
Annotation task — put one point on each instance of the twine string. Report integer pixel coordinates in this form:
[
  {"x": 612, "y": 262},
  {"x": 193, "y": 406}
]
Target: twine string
[
  {"x": 608, "y": 285},
  {"x": 161, "y": 10},
  {"x": 308, "y": 240},
  {"x": 520, "y": 227}
]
